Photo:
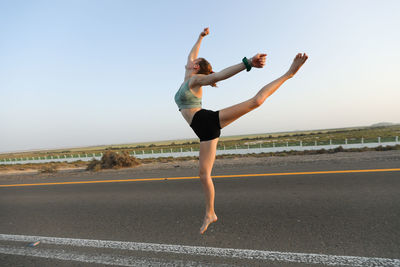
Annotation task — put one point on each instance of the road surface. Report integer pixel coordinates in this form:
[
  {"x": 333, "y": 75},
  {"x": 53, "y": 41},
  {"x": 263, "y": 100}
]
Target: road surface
[{"x": 289, "y": 215}]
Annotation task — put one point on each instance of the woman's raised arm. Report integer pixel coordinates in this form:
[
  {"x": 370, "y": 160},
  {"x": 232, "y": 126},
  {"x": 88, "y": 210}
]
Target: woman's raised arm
[{"x": 195, "y": 50}]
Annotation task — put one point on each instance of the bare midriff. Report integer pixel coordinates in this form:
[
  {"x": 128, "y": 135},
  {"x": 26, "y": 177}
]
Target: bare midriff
[{"x": 188, "y": 114}]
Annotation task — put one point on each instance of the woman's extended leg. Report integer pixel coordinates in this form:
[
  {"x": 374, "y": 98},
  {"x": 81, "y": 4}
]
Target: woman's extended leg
[
  {"x": 228, "y": 115},
  {"x": 206, "y": 161}
]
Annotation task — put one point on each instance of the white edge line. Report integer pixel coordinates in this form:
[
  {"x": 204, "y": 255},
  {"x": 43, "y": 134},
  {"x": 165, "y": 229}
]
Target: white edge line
[
  {"x": 117, "y": 260},
  {"x": 210, "y": 251}
]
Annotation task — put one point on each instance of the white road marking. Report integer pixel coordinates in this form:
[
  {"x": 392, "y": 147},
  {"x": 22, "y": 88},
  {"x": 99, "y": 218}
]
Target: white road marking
[
  {"x": 308, "y": 258},
  {"x": 107, "y": 259}
]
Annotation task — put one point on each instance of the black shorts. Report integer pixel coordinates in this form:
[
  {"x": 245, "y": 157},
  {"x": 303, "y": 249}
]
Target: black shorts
[{"x": 205, "y": 124}]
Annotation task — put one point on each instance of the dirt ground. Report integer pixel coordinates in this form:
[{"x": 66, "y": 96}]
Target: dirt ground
[{"x": 226, "y": 163}]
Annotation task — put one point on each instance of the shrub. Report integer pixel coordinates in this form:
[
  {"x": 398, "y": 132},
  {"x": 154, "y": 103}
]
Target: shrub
[
  {"x": 94, "y": 165},
  {"x": 48, "y": 169},
  {"x": 338, "y": 149},
  {"x": 112, "y": 160},
  {"x": 385, "y": 148}
]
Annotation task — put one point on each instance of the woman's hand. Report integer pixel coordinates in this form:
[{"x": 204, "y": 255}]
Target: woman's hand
[
  {"x": 205, "y": 32},
  {"x": 258, "y": 61}
]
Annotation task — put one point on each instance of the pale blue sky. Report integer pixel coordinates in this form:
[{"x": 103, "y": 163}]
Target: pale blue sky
[{"x": 80, "y": 73}]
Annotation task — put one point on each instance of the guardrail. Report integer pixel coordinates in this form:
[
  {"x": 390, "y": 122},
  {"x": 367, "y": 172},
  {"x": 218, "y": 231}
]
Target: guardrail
[{"x": 237, "y": 149}]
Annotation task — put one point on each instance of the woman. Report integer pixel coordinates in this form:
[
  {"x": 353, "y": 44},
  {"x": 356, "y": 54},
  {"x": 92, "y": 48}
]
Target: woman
[{"x": 206, "y": 123}]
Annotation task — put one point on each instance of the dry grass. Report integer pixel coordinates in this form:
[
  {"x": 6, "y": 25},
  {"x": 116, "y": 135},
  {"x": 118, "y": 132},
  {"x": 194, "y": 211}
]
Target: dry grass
[
  {"x": 112, "y": 160},
  {"x": 48, "y": 169},
  {"x": 277, "y": 154},
  {"x": 42, "y": 166},
  {"x": 231, "y": 141},
  {"x": 311, "y": 152},
  {"x": 115, "y": 161}
]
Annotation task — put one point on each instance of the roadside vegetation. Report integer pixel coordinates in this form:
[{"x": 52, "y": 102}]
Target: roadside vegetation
[
  {"x": 369, "y": 134},
  {"x": 49, "y": 167},
  {"x": 112, "y": 160},
  {"x": 117, "y": 154}
]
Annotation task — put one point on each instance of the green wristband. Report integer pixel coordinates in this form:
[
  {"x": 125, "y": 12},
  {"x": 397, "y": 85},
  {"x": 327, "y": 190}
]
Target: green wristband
[{"x": 246, "y": 63}]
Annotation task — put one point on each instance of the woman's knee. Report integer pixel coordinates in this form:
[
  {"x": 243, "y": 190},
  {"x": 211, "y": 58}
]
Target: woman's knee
[
  {"x": 257, "y": 101},
  {"x": 204, "y": 174}
]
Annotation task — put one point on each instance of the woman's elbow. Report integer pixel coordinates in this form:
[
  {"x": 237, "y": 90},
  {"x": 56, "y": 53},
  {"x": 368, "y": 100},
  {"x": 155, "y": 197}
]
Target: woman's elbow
[{"x": 217, "y": 77}]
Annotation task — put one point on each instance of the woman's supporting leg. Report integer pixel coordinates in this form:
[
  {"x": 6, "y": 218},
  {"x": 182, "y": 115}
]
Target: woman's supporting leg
[
  {"x": 206, "y": 161},
  {"x": 228, "y": 115}
]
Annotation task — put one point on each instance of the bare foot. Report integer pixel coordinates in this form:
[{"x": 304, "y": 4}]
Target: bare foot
[
  {"x": 207, "y": 221},
  {"x": 298, "y": 61}
]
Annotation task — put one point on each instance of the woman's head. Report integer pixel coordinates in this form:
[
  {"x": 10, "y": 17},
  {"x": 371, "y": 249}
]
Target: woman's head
[{"x": 204, "y": 67}]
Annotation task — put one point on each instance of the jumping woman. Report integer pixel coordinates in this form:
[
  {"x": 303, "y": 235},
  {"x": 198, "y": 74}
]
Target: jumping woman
[{"x": 207, "y": 124}]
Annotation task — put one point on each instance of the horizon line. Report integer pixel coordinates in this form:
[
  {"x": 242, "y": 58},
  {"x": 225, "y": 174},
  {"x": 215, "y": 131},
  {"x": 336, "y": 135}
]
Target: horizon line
[{"x": 189, "y": 139}]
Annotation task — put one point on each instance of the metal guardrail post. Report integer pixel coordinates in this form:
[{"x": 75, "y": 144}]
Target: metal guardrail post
[
  {"x": 379, "y": 139},
  {"x": 345, "y": 141},
  {"x": 397, "y": 139}
]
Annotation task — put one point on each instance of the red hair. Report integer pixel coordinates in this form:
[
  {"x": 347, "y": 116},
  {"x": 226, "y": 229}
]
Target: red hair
[{"x": 205, "y": 68}]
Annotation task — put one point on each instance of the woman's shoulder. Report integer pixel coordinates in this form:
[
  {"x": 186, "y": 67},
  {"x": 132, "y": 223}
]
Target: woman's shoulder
[
  {"x": 185, "y": 82},
  {"x": 193, "y": 81}
]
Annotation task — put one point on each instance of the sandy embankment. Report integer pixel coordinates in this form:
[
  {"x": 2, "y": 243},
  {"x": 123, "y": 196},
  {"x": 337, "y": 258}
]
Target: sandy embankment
[{"x": 368, "y": 158}]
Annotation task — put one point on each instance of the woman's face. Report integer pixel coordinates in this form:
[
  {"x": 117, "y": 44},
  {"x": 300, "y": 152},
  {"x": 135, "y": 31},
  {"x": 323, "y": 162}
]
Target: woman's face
[{"x": 194, "y": 65}]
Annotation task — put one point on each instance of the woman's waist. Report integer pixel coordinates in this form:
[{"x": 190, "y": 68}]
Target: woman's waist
[{"x": 188, "y": 113}]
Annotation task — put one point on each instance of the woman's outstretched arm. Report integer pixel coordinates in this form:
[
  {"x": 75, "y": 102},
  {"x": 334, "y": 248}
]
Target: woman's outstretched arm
[{"x": 258, "y": 61}]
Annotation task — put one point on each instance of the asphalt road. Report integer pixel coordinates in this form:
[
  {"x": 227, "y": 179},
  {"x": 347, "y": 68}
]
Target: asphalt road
[{"x": 342, "y": 214}]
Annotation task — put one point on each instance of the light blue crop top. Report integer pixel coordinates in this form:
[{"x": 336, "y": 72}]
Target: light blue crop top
[{"x": 184, "y": 98}]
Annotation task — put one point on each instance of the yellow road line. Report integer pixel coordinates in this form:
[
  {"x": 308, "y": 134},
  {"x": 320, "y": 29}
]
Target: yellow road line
[{"x": 216, "y": 176}]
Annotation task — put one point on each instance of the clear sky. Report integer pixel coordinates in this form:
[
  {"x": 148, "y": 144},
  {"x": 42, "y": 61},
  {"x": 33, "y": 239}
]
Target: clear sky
[{"x": 90, "y": 72}]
